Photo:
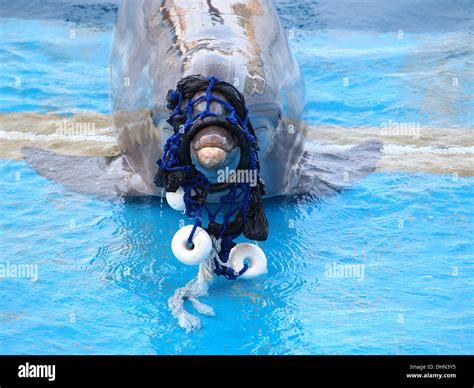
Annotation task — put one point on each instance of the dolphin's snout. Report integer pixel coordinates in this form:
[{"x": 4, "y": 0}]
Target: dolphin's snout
[{"x": 212, "y": 146}]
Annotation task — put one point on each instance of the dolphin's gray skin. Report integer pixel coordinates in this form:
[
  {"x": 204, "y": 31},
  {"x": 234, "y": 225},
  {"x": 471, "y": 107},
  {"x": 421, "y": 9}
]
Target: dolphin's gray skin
[{"x": 158, "y": 42}]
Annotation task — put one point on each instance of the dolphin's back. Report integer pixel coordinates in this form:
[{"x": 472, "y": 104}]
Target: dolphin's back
[{"x": 158, "y": 42}]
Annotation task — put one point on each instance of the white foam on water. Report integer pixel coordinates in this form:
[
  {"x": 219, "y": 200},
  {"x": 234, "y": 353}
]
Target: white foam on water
[
  {"x": 437, "y": 150},
  {"x": 29, "y": 136},
  {"x": 397, "y": 149},
  {"x": 347, "y": 44}
]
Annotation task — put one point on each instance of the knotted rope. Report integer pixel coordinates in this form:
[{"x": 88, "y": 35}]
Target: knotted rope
[{"x": 193, "y": 290}]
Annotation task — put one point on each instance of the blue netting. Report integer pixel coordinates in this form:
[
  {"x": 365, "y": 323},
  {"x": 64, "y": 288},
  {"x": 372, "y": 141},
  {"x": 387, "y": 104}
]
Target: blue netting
[{"x": 237, "y": 199}]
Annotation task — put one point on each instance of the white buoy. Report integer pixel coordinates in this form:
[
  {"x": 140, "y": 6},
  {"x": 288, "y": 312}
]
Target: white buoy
[
  {"x": 252, "y": 255},
  {"x": 176, "y": 200},
  {"x": 198, "y": 252}
]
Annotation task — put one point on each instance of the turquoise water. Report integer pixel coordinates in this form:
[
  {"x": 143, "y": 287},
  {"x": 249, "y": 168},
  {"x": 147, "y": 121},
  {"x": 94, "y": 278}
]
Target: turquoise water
[{"x": 105, "y": 268}]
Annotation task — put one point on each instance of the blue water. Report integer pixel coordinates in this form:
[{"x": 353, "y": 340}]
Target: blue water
[{"x": 105, "y": 268}]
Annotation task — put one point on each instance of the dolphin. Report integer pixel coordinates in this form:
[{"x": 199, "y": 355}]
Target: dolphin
[{"x": 156, "y": 43}]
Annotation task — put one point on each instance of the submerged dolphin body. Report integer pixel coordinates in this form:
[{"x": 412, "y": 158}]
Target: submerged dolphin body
[{"x": 157, "y": 43}]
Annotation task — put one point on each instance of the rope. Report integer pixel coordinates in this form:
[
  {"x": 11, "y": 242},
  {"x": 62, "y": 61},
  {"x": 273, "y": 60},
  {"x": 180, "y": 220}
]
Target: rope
[
  {"x": 192, "y": 291},
  {"x": 237, "y": 200}
]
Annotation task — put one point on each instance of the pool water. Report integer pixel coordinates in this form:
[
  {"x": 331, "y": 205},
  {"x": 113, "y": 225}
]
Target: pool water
[{"x": 105, "y": 269}]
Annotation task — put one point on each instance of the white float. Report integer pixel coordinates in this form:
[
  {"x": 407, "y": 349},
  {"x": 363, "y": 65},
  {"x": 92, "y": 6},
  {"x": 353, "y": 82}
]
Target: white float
[
  {"x": 252, "y": 255},
  {"x": 176, "y": 200},
  {"x": 201, "y": 249}
]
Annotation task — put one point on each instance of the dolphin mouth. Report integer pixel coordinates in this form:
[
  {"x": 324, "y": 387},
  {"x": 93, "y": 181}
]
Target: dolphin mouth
[{"x": 213, "y": 146}]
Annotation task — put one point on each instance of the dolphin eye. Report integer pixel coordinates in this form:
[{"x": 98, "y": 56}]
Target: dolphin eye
[
  {"x": 160, "y": 120},
  {"x": 155, "y": 118},
  {"x": 270, "y": 122},
  {"x": 265, "y": 117}
]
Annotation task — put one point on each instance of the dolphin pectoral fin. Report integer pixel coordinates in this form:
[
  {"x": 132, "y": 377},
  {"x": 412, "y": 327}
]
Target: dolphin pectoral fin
[
  {"x": 100, "y": 176},
  {"x": 322, "y": 173}
]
